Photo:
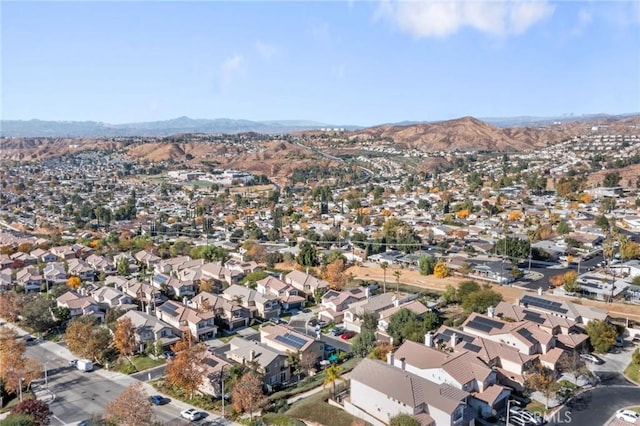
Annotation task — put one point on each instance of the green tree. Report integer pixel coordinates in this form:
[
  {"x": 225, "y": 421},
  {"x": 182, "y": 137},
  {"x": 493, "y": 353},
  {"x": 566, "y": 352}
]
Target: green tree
[
  {"x": 333, "y": 373},
  {"x": 363, "y": 343},
  {"x": 384, "y": 266},
  {"x": 403, "y": 420},
  {"x": 407, "y": 325},
  {"x": 480, "y": 300},
  {"x": 450, "y": 294},
  {"x": 426, "y": 264},
  {"x": 308, "y": 255},
  {"x": 38, "y": 315},
  {"x": 563, "y": 227},
  {"x": 602, "y": 335},
  {"x": 465, "y": 288},
  {"x": 123, "y": 267},
  {"x": 18, "y": 420}
]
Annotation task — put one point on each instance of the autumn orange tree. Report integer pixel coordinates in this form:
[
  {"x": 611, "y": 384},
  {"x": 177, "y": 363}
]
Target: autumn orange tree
[
  {"x": 440, "y": 270},
  {"x": 335, "y": 275},
  {"x": 247, "y": 393},
  {"x": 11, "y": 305},
  {"x": 13, "y": 364},
  {"x": 131, "y": 408},
  {"x": 86, "y": 340},
  {"x": 184, "y": 371},
  {"x": 124, "y": 337},
  {"x": 74, "y": 282}
]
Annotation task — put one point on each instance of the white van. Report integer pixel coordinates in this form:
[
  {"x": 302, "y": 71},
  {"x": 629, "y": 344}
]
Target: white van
[{"x": 84, "y": 365}]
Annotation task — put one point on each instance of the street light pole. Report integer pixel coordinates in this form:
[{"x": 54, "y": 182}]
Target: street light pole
[
  {"x": 222, "y": 386},
  {"x": 20, "y": 387},
  {"x": 46, "y": 377}
]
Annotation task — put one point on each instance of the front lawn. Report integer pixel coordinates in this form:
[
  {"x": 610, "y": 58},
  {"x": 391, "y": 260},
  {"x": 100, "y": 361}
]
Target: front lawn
[
  {"x": 203, "y": 402},
  {"x": 316, "y": 409},
  {"x": 537, "y": 407},
  {"x": 140, "y": 363},
  {"x": 633, "y": 372}
]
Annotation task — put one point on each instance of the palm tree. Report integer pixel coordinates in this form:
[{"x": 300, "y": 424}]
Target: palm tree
[
  {"x": 384, "y": 266},
  {"x": 397, "y": 274},
  {"x": 332, "y": 374}
]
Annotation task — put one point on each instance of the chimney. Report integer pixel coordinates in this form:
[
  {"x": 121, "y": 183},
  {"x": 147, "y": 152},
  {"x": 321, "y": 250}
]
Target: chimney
[
  {"x": 252, "y": 355},
  {"x": 367, "y": 292},
  {"x": 403, "y": 364},
  {"x": 396, "y": 301},
  {"x": 281, "y": 276},
  {"x": 539, "y": 291},
  {"x": 428, "y": 339},
  {"x": 454, "y": 340},
  {"x": 491, "y": 311},
  {"x": 307, "y": 270},
  {"x": 390, "y": 359},
  {"x": 517, "y": 302},
  {"x": 148, "y": 309},
  {"x": 184, "y": 300}
]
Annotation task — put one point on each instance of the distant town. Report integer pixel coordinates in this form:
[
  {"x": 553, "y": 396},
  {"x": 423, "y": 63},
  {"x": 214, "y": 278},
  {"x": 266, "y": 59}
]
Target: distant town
[{"x": 333, "y": 277}]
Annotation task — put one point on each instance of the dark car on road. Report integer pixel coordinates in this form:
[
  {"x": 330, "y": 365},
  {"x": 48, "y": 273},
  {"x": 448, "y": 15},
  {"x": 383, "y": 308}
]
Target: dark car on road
[
  {"x": 337, "y": 331},
  {"x": 159, "y": 400}
]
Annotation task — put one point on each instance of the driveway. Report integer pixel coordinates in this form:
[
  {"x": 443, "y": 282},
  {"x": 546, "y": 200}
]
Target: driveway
[{"x": 610, "y": 373}]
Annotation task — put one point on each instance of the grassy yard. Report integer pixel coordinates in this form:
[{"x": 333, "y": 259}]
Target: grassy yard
[
  {"x": 633, "y": 372},
  {"x": 315, "y": 408},
  {"x": 11, "y": 401},
  {"x": 199, "y": 401},
  {"x": 537, "y": 407},
  {"x": 140, "y": 363},
  {"x": 312, "y": 382}
]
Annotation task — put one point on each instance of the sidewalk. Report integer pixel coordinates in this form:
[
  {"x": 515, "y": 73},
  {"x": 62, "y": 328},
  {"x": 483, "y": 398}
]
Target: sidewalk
[{"x": 115, "y": 376}]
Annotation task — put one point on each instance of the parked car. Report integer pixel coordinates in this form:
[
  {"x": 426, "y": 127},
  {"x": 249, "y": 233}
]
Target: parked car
[
  {"x": 628, "y": 416},
  {"x": 337, "y": 331},
  {"x": 619, "y": 341},
  {"x": 591, "y": 358},
  {"x": 168, "y": 354},
  {"x": 73, "y": 363},
  {"x": 322, "y": 323},
  {"x": 159, "y": 400},
  {"x": 636, "y": 339},
  {"x": 347, "y": 335},
  {"x": 84, "y": 365},
  {"x": 191, "y": 414}
]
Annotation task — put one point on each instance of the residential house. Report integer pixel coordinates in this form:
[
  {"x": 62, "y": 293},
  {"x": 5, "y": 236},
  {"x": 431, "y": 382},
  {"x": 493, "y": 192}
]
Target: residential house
[
  {"x": 110, "y": 298},
  {"x": 200, "y": 324},
  {"x": 132, "y": 264},
  {"x": 44, "y": 256},
  {"x": 373, "y": 305},
  {"x": 149, "y": 260},
  {"x": 6, "y": 283},
  {"x": 212, "y": 368},
  {"x": 287, "y": 295},
  {"x": 21, "y": 259},
  {"x": 221, "y": 275},
  {"x": 463, "y": 370},
  {"x": 140, "y": 291},
  {"x": 379, "y": 392},
  {"x": 173, "y": 285},
  {"x": 29, "y": 278},
  {"x": 149, "y": 330},
  {"x": 271, "y": 363},
  {"x": 581, "y": 314},
  {"x": 241, "y": 267},
  {"x": 305, "y": 283},
  {"x": 260, "y": 305},
  {"x": 229, "y": 315},
  {"x": 63, "y": 252},
  {"x": 101, "y": 264},
  {"x": 80, "y": 305},
  {"x": 80, "y": 268},
  {"x": 334, "y": 303},
  {"x": 384, "y": 317},
  {"x": 287, "y": 340},
  {"x": 54, "y": 274}
]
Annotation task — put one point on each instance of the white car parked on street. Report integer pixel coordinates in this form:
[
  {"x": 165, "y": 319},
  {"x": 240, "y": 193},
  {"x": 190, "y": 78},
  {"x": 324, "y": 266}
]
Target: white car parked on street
[{"x": 628, "y": 416}]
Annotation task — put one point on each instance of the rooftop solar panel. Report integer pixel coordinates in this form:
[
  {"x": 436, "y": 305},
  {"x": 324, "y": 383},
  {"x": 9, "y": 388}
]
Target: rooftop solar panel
[
  {"x": 544, "y": 304},
  {"x": 471, "y": 347},
  {"x": 479, "y": 326},
  {"x": 291, "y": 340}
]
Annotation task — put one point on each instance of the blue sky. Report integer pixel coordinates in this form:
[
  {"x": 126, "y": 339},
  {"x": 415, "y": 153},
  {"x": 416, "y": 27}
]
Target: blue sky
[{"x": 339, "y": 62}]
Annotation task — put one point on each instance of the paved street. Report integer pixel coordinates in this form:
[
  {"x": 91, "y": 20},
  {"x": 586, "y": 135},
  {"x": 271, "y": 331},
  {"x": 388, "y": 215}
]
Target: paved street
[
  {"x": 75, "y": 396},
  {"x": 597, "y": 406}
]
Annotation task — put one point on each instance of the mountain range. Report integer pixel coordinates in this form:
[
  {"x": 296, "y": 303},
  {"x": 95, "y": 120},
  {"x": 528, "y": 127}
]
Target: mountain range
[{"x": 180, "y": 125}]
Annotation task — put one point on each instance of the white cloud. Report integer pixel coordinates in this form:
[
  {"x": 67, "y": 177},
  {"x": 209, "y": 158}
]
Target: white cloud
[
  {"x": 585, "y": 17},
  {"x": 265, "y": 50},
  {"x": 232, "y": 67},
  {"x": 441, "y": 18}
]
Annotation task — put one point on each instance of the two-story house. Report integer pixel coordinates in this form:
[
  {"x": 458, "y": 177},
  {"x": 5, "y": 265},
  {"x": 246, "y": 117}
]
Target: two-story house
[
  {"x": 286, "y": 294},
  {"x": 80, "y": 305},
  {"x": 139, "y": 291},
  {"x": 334, "y": 303},
  {"x": 373, "y": 305},
  {"x": 260, "y": 305},
  {"x": 29, "y": 278},
  {"x": 100, "y": 264},
  {"x": 149, "y": 330},
  {"x": 63, "y": 252},
  {"x": 379, "y": 391},
  {"x": 110, "y": 298},
  {"x": 132, "y": 264},
  {"x": 271, "y": 363},
  {"x": 286, "y": 340},
  {"x": 305, "y": 283},
  {"x": 229, "y": 315},
  {"x": 463, "y": 370},
  {"x": 54, "y": 273},
  {"x": 200, "y": 324},
  {"x": 80, "y": 268},
  {"x": 44, "y": 256},
  {"x": 148, "y": 259}
]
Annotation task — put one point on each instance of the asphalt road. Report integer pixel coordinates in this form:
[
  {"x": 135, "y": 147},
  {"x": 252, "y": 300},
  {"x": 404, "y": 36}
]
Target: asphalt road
[{"x": 596, "y": 406}]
